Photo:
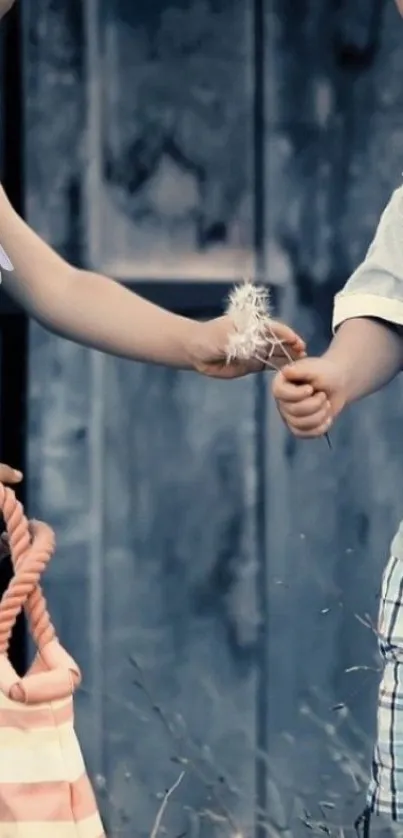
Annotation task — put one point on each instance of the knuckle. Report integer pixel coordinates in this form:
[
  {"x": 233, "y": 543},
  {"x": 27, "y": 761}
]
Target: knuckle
[
  {"x": 283, "y": 408},
  {"x": 321, "y": 417},
  {"x": 288, "y": 410},
  {"x": 311, "y": 425},
  {"x": 319, "y": 401},
  {"x": 278, "y": 389},
  {"x": 307, "y": 423},
  {"x": 307, "y": 407}
]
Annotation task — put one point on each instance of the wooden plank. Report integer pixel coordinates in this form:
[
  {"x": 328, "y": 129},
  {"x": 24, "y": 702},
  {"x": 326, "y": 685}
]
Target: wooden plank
[
  {"x": 148, "y": 478},
  {"x": 330, "y": 514},
  {"x": 170, "y": 164},
  {"x": 179, "y": 596}
]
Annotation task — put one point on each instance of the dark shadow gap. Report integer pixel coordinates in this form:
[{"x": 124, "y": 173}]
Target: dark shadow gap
[{"x": 14, "y": 326}]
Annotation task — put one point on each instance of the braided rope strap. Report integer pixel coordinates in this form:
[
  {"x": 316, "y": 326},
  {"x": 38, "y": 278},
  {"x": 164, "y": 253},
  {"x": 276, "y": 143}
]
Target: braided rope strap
[{"x": 53, "y": 674}]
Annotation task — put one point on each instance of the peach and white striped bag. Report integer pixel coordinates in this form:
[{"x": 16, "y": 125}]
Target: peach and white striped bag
[{"x": 44, "y": 788}]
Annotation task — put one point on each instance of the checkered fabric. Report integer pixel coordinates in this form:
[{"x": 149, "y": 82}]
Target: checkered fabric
[{"x": 385, "y": 794}]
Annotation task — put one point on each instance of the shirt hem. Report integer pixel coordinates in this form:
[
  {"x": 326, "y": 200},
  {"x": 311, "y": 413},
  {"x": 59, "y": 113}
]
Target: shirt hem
[{"x": 348, "y": 306}]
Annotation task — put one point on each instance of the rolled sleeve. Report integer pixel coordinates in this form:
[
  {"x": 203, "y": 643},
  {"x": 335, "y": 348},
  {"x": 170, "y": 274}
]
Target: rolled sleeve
[{"x": 376, "y": 288}]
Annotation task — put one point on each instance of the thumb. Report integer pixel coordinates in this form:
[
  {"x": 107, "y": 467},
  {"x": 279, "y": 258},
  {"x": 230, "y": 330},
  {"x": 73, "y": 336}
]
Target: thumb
[
  {"x": 300, "y": 372},
  {"x": 9, "y": 474}
]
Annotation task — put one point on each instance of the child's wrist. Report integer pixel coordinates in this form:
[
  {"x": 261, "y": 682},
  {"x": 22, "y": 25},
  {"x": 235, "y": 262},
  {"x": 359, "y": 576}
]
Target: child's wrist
[
  {"x": 192, "y": 340},
  {"x": 341, "y": 380}
]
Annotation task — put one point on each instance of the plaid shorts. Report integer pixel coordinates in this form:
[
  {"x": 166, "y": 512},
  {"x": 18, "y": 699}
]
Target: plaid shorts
[{"x": 385, "y": 793}]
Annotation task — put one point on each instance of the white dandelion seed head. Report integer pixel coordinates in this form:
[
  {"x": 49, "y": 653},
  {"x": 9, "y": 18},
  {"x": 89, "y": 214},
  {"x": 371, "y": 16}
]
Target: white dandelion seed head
[{"x": 249, "y": 309}]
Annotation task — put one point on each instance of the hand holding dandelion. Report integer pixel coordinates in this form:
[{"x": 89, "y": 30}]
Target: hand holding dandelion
[
  {"x": 255, "y": 334},
  {"x": 244, "y": 340}
]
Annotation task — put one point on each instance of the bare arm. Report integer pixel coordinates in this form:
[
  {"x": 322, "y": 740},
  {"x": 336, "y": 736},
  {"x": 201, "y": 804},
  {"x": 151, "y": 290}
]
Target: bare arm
[
  {"x": 368, "y": 312},
  {"x": 368, "y": 353},
  {"x": 86, "y": 307},
  {"x": 367, "y": 349}
]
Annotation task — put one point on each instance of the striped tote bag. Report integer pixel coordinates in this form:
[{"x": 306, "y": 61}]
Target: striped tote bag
[{"x": 44, "y": 788}]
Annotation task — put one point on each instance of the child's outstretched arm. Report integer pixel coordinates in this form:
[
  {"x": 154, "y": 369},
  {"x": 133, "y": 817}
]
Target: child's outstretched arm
[
  {"x": 367, "y": 350},
  {"x": 368, "y": 312},
  {"x": 84, "y": 306},
  {"x": 98, "y": 312}
]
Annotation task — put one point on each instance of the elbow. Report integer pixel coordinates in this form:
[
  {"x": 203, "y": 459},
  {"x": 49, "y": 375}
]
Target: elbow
[{"x": 49, "y": 303}]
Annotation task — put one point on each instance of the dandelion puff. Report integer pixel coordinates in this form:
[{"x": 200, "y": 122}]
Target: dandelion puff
[
  {"x": 249, "y": 309},
  {"x": 253, "y": 336}
]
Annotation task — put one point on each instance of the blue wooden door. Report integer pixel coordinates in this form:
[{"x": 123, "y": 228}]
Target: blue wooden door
[{"x": 258, "y": 686}]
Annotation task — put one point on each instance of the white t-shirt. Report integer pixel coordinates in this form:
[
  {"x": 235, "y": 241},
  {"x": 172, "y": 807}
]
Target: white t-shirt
[{"x": 375, "y": 289}]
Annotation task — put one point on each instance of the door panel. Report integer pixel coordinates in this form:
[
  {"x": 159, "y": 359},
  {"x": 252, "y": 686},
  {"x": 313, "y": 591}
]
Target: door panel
[{"x": 151, "y": 477}]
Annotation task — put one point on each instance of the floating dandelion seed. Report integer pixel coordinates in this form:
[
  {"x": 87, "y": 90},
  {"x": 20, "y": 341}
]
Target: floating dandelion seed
[
  {"x": 5, "y": 262},
  {"x": 249, "y": 309}
]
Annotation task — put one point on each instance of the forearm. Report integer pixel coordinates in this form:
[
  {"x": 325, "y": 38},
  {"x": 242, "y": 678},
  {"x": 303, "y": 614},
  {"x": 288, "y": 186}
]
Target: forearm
[
  {"x": 370, "y": 354},
  {"x": 85, "y": 307},
  {"x": 102, "y": 314}
]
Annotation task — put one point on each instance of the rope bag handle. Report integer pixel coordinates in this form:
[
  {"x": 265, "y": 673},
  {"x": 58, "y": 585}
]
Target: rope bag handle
[{"x": 30, "y": 554}]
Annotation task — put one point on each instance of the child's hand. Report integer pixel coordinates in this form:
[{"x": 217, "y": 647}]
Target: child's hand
[
  {"x": 309, "y": 395},
  {"x": 7, "y": 475},
  {"x": 209, "y": 349}
]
